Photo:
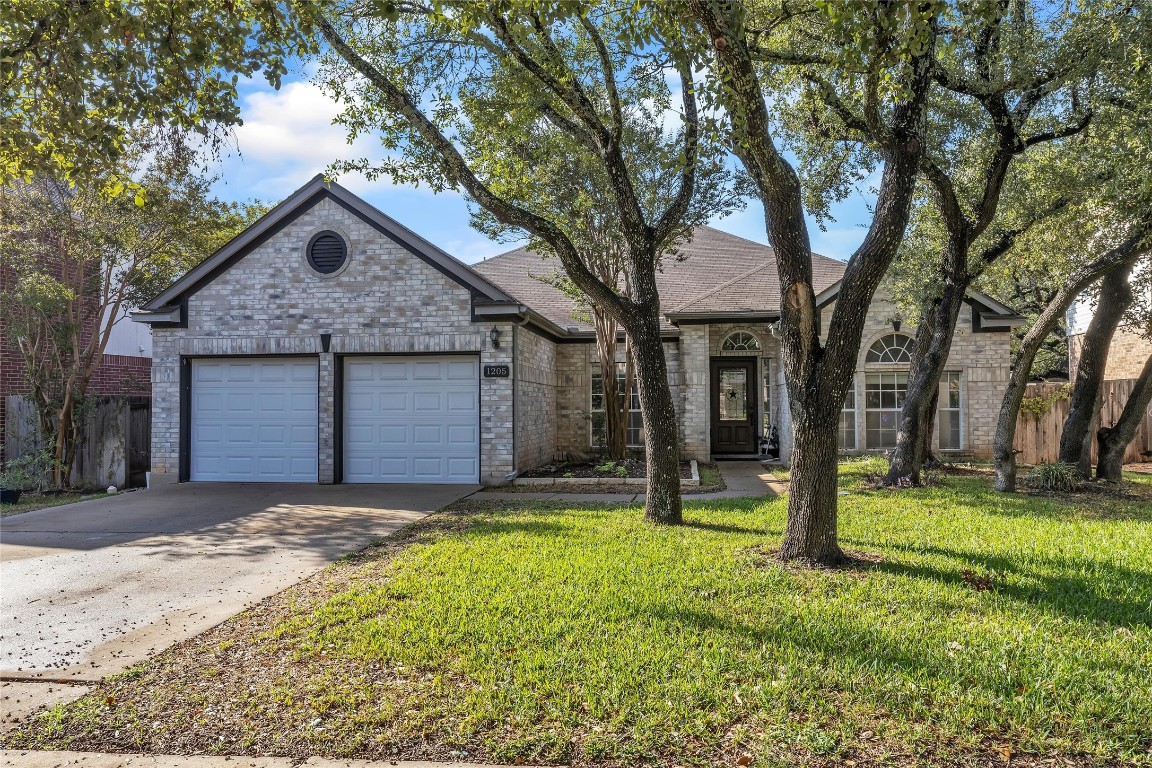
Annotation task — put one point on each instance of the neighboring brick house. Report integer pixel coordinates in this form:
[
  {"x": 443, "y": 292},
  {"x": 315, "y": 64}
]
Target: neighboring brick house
[
  {"x": 1129, "y": 349},
  {"x": 328, "y": 343},
  {"x": 124, "y": 369}
]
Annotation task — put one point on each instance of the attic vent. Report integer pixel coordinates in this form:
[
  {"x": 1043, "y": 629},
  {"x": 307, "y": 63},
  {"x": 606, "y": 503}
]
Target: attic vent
[{"x": 327, "y": 252}]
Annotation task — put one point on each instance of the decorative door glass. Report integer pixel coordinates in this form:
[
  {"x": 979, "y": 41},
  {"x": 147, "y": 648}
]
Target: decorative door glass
[{"x": 733, "y": 394}]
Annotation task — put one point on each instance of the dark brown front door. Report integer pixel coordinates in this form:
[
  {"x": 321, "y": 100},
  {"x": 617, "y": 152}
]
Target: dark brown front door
[{"x": 734, "y": 405}]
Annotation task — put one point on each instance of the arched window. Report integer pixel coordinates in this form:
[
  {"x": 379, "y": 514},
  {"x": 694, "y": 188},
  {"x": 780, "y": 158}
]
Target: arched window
[
  {"x": 893, "y": 348},
  {"x": 740, "y": 341}
]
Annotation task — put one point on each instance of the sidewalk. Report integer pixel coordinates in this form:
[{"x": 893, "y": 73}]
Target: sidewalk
[
  {"x": 745, "y": 479},
  {"x": 25, "y": 759}
]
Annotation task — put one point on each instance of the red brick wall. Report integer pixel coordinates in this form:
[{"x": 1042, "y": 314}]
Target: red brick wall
[{"x": 116, "y": 374}]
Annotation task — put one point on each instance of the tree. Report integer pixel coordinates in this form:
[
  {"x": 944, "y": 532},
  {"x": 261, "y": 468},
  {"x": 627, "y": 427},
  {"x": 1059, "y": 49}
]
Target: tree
[
  {"x": 79, "y": 77},
  {"x": 1133, "y": 244},
  {"x": 864, "y": 70},
  {"x": 1113, "y": 301},
  {"x": 83, "y": 256},
  {"x": 463, "y": 98},
  {"x": 1113, "y": 441},
  {"x": 555, "y": 170},
  {"x": 1019, "y": 82}
]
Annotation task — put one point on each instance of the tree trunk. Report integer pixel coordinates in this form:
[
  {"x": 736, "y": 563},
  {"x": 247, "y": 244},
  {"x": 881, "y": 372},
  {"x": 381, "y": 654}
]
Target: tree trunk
[
  {"x": 1003, "y": 452},
  {"x": 1075, "y": 440},
  {"x": 1113, "y": 441},
  {"x": 661, "y": 435},
  {"x": 810, "y": 534},
  {"x": 933, "y": 343}
]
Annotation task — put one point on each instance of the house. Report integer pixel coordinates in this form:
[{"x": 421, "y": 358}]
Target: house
[
  {"x": 329, "y": 343},
  {"x": 1126, "y": 354}
]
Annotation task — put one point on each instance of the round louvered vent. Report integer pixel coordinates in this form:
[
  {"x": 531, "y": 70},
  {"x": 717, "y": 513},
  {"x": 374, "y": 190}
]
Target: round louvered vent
[{"x": 327, "y": 252}]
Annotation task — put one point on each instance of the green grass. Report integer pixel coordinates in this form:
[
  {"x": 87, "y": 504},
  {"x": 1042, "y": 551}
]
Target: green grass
[
  {"x": 30, "y": 502},
  {"x": 977, "y": 622}
]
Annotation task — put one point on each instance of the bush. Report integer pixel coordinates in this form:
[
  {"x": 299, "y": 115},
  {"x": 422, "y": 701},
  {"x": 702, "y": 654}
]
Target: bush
[{"x": 1054, "y": 476}]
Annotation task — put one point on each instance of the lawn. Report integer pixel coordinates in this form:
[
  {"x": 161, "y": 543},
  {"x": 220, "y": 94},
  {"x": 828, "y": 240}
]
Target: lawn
[{"x": 976, "y": 629}]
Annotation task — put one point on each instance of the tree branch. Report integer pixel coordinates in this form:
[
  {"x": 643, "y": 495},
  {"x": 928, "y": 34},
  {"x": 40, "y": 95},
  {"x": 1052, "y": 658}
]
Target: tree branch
[{"x": 456, "y": 168}]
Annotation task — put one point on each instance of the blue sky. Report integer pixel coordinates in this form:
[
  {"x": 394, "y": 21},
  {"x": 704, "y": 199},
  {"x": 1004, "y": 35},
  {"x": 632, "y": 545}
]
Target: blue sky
[{"x": 288, "y": 137}]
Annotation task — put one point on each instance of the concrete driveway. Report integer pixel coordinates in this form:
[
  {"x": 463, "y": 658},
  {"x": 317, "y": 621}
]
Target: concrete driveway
[{"x": 92, "y": 588}]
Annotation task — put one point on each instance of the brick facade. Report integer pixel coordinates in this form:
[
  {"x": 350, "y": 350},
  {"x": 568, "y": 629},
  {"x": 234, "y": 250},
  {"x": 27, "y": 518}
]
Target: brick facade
[
  {"x": 536, "y": 408},
  {"x": 1126, "y": 355},
  {"x": 385, "y": 301}
]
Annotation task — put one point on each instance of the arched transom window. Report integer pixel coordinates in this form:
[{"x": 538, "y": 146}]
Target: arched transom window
[
  {"x": 893, "y": 348},
  {"x": 740, "y": 341}
]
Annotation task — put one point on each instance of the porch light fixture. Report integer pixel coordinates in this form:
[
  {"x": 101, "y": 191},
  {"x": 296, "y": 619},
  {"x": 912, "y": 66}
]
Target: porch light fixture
[
  {"x": 325, "y": 342},
  {"x": 896, "y": 323},
  {"x": 494, "y": 335}
]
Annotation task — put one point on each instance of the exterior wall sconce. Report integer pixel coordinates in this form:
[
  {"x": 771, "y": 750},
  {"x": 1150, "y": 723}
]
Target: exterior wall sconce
[
  {"x": 896, "y": 323},
  {"x": 494, "y": 336},
  {"x": 325, "y": 342}
]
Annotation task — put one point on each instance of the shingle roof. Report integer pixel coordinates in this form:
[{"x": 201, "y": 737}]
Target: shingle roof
[{"x": 715, "y": 272}]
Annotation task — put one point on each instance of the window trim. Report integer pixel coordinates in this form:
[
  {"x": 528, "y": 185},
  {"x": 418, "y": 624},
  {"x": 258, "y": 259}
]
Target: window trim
[
  {"x": 740, "y": 332},
  {"x": 867, "y": 410},
  {"x": 962, "y": 421}
]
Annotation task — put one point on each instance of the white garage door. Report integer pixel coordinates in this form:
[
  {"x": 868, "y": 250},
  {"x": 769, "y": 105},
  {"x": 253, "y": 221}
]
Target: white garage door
[
  {"x": 411, "y": 420},
  {"x": 254, "y": 420}
]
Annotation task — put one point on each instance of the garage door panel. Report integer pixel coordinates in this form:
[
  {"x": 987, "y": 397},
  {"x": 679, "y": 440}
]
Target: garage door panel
[
  {"x": 427, "y": 401},
  {"x": 254, "y": 420},
  {"x": 423, "y": 425}
]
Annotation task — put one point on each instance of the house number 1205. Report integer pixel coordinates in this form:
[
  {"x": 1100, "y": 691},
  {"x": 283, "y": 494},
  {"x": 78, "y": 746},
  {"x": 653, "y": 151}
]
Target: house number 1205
[{"x": 496, "y": 371}]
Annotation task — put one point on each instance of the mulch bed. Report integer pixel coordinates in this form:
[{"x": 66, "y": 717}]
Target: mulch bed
[{"x": 603, "y": 469}]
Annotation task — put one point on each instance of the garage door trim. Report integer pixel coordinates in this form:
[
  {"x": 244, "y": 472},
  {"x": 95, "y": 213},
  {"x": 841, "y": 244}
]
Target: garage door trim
[{"x": 184, "y": 470}]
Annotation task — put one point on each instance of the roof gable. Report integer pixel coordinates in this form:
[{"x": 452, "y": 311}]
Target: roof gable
[{"x": 161, "y": 308}]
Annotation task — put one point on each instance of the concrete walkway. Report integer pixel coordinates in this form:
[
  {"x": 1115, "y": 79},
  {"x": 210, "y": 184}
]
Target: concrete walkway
[
  {"x": 745, "y": 479},
  {"x": 24, "y": 759}
]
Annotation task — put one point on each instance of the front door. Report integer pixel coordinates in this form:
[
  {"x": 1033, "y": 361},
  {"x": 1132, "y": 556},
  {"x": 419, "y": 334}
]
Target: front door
[{"x": 734, "y": 405}]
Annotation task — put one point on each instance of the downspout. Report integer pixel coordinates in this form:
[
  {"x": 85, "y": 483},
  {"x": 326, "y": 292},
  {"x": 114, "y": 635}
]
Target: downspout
[{"x": 515, "y": 401}]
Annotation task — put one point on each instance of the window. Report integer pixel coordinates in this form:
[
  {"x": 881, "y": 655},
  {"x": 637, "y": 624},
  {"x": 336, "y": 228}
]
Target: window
[
  {"x": 635, "y": 437},
  {"x": 948, "y": 412},
  {"x": 893, "y": 348},
  {"x": 327, "y": 252},
  {"x": 740, "y": 341},
  {"x": 848, "y": 420},
  {"x": 884, "y": 395}
]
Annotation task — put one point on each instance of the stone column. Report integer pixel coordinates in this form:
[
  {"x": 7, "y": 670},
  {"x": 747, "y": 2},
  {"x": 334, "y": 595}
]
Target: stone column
[{"x": 327, "y": 425}]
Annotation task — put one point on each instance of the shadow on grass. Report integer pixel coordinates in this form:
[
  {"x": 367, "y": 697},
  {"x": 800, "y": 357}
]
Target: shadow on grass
[{"x": 1059, "y": 592}]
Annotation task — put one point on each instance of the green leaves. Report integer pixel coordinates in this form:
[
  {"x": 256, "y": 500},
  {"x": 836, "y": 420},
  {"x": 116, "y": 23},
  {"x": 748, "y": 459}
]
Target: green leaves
[{"x": 79, "y": 77}]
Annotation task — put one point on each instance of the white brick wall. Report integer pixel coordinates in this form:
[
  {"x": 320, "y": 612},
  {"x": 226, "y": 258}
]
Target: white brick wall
[{"x": 387, "y": 300}]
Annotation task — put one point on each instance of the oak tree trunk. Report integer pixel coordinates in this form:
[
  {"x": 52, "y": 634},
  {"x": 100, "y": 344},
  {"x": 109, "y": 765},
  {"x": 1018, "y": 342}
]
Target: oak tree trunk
[
  {"x": 1113, "y": 441},
  {"x": 1003, "y": 452},
  {"x": 1075, "y": 440},
  {"x": 929, "y": 357},
  {"x": 810, "y": 534},
  {"x": 661, "y": 435}
]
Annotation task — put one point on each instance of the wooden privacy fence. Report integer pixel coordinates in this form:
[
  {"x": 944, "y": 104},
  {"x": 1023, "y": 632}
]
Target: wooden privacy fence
[{"x": 1038, "y": 437}]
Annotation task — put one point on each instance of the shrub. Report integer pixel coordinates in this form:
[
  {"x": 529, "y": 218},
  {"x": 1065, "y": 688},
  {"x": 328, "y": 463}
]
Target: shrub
[{"x": 1054, "y": 476}]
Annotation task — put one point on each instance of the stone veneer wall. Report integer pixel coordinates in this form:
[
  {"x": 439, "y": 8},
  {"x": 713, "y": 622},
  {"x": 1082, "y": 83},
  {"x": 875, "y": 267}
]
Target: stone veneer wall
[
  {"x": 535, "y": 400},
  {"x": 574, "y": 392},
  {"x": 983, "y": 360},
  {"x": 386, "y": 300},
  {"x": 1126, "y": 355}
]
